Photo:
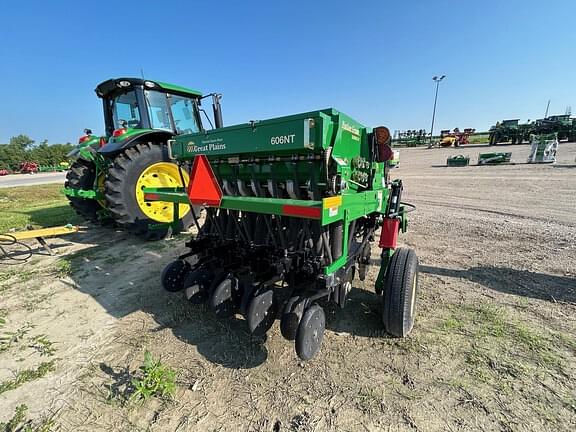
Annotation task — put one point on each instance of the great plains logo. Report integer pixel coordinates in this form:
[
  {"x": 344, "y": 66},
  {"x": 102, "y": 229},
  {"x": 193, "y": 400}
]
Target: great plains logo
[
  {"x": 282, "y": 139},
  {"x": 354, "y": 131},
  {"x": 205, "y": 146}
]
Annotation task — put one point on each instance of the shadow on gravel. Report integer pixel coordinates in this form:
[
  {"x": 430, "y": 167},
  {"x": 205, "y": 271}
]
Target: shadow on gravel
[
  {"x": 362, "y": 315},
  {"x": 519, "y": 282},
  {"x": 226, "y": 342}
]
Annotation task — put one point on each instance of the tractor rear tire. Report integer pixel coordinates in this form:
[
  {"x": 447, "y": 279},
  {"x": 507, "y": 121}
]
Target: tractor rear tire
[
  {"x": 400, "y": 290},
  {"x": 121, "y": 196},
  {"x": 493, "y": 139},
  {"x": 82, "y": 175}
]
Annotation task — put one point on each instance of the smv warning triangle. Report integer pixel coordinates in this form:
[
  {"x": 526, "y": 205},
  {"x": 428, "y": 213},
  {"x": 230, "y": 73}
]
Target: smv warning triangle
[{"x": 204, "y": 188}]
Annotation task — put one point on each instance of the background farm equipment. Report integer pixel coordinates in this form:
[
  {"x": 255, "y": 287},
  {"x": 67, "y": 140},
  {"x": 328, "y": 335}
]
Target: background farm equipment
[
  {"x": 28, "y": 167},
  {"x": 455, "y": 138},
  {"x": 509, "y": 131},
  {"x": 411, "y": 138},
  {"x": 292, "y": 206},
  {"x": 61, "y": 167},
  {"x": 562, "y": 125},
  {"x": 494, "y": 158},
  {"x": 447, "y": 138},
  {"x": 544, "y": 148},
  {"x": 458, "y": 161},
  {"x": 107, "y": 178}
]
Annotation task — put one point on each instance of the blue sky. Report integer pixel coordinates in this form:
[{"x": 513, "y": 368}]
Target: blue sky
[{"x": 373, "y": 60}]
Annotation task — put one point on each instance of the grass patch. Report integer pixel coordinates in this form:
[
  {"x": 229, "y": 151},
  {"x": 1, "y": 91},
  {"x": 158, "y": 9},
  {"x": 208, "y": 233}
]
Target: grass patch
[
  {"x": 153, "y": 379},
  {"x": 19, "y": 423},
  {"x": 27, "y": 375},
  {"x": 369, "y": 399},
  {"x": 43, "y": 345},
  {"x": 63, "y": 267},
  {"x": 502, "y": 346},
  {"x": 479, "y": 139},
  {"x": 7, "y": 277},
  {"x": 452, "y": 323},
  {"x": 40, "y": 206},
  {"x": 8, "y": 339},
  {"x": 17, "y": 419}
]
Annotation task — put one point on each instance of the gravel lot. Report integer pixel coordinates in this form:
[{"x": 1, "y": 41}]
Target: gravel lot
[{"x": 493, "y": 347}]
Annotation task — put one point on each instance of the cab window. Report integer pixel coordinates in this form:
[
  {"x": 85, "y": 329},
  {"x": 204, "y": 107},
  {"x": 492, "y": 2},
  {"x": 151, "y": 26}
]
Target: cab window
[
  {"x": 125, "y": 111},
  {"x": 158, "y": 110},
  {"x": 183, "y": 114}
]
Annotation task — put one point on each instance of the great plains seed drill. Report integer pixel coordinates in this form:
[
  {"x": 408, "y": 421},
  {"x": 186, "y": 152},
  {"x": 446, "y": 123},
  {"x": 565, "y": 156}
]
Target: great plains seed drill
[{"x": 292, "y": 205}]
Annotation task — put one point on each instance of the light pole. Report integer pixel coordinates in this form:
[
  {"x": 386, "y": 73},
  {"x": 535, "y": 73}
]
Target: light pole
[{"x": 437, "y": 79}]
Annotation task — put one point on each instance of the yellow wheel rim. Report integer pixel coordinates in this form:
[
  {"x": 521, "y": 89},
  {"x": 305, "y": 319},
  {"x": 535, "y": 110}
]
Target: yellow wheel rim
[
  {"x": 161, "y": 174},
  {"x": 101, "y": 185}
]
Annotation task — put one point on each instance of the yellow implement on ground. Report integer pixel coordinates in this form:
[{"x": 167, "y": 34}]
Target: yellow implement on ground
[
  {"x": 44, "y": 232},
  {"x": 39, "y": 234}
]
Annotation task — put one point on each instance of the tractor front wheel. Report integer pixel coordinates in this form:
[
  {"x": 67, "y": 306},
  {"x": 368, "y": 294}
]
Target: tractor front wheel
[
  {"x": 144, "y": 165},
  {"x": 82, "y": 176},
  {"x": 400, "y": 289}
]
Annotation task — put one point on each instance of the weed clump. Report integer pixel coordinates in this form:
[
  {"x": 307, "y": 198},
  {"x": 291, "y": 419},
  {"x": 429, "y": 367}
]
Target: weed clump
[
  {"x": 27, "y": 375},
  {"x": 153, "y": 379}
]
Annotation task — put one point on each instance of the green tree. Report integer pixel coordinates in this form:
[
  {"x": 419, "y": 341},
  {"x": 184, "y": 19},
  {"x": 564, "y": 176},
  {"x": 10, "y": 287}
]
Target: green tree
[{"x": 23, "y": 142}]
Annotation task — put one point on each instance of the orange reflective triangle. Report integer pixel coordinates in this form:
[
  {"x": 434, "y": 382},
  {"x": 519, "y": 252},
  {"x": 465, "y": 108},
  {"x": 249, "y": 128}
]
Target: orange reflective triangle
[{"x": 203, "y": 188}]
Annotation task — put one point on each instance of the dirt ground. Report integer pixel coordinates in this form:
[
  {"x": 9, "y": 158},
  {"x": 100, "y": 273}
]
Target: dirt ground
[{"x": 493, "y": 348}]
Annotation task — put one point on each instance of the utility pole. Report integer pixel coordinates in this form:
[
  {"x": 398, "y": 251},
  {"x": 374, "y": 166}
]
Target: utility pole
[
  {"x": 437, "y": 80},
  {"x": 547, "y": 106}
]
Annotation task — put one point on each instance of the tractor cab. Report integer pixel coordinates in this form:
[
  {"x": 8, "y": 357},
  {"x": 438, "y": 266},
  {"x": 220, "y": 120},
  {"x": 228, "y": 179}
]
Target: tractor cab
[{"x": 134, "y": 107}]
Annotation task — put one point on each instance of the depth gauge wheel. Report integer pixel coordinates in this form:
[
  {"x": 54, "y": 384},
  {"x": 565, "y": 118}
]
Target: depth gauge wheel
[
  {"x": 310, "y": 332},
  {"x": 144, "y": 165},
  {"x": 82, "y": 176},
  {"x": 400, "y": 290},
  {"x": 174, "y": 274}
]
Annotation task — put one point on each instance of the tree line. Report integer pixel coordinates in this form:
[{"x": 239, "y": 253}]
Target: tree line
[{"x": 22, "y": 148}]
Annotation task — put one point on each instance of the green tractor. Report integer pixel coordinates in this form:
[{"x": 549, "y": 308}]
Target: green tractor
[
  {"x": 106, "y": 181},
  {"x": 507, "y": 130},
  {"x": 562, "y": 125}
]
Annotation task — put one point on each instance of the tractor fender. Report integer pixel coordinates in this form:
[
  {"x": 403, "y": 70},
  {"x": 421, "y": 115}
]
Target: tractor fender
[{"x": 117, "y": 145}]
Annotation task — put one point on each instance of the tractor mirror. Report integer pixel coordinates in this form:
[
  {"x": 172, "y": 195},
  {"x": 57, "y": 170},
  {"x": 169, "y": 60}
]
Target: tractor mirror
[{"x": 383, "y": 140}]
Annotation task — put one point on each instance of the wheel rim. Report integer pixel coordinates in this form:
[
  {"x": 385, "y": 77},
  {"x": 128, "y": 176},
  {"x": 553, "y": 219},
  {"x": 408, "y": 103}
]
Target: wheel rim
[
  {"x": 413, "y": 299},
  {"x": 101, "y": 185},
  {"x": 161, "y": 174}
]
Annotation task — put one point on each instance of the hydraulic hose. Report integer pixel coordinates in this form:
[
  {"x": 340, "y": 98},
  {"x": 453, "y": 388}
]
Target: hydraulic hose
[{"x": 7, "y": 240}]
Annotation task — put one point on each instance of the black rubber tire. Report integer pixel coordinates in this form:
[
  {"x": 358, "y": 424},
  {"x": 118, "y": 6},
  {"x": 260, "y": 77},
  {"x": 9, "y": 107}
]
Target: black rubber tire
[
  {"x": 121, "y": 194},
  {"x": 400, "y": 292},
  {"x": 174, "y": 274},
  {"x": 291, "y": 316},
  {"x": 82, "y": 175},
  {"x": 493, "y": 139},
  {"x": 310, "y": 332}
]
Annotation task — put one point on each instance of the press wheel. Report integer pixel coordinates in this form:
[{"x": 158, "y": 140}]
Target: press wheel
[
  {"x": 173, "y": 275},
  {"x": 310, "y": 332}
]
